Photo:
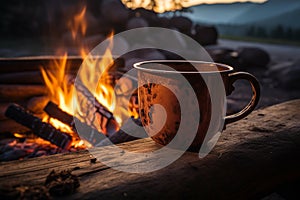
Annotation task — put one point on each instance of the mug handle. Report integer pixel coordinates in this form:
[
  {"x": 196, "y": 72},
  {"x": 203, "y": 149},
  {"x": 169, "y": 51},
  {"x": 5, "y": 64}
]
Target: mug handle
[{"x": 254, "y": 100}]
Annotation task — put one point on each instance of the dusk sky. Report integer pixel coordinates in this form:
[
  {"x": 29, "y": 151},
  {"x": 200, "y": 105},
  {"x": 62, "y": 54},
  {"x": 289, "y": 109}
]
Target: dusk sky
[{"x": 194, "y": 2}]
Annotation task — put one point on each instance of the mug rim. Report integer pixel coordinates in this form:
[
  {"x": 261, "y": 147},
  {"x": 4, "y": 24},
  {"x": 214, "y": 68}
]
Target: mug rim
[{"x": 138, "y": 66}]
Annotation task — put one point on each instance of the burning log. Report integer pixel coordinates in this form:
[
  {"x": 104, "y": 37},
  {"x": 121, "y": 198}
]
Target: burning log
[
  {"x": 106, "y": 119},
  {"x": 87, "y": 132},
  {"x": 90, "y": 134},
  {"x": 41, "y": 129}
]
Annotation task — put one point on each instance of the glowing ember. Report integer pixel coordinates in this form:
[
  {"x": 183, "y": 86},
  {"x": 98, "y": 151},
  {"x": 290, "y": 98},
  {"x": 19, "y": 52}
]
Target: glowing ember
[{"x": 17, "y": 135}]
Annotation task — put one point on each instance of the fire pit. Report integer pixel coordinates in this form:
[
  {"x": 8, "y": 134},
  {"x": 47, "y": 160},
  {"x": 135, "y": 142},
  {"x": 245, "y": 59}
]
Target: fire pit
[{"x": 51, "y": 126}]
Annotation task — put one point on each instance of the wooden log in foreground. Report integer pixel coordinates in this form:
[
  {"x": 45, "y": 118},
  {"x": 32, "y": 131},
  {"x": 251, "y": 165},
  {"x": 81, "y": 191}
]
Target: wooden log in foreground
[{"x": 252, "y": 157}]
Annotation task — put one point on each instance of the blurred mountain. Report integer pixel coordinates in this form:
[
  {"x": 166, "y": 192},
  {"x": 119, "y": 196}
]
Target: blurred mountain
[
  {"x": 219, "y": 13},
  {"x": 269, "y": 13},
  {"x": 287, "y": 19}
]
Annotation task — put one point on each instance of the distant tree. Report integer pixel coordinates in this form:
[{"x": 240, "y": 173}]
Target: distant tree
[
  {"x": 251, "y": 31},
  {"x": 261, "y": 32},
  {"x": 256, "y": 31},
  {"x": 296, "y": 34},
  {"x": 289, "y": 33},
  {"x": 278, "y": 32}
]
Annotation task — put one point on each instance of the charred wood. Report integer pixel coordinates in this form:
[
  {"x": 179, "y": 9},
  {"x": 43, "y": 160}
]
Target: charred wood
[
  {"x": 41, "y": 129},
  {"x": 82, "y": 129},
  {"x": 97, "y": 113}
]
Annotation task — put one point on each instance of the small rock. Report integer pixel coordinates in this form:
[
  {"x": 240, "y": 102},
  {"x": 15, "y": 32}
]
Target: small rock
[
  {"x": 223, "y": 55},
  {"x": 93, "y": 160},
  {"x": 206, "y": 35},
  {"x": 253, "y": 57},
  {"x": 183, "y": 24}
]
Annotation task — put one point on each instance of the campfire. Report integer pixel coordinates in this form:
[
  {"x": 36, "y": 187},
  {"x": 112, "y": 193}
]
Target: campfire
[{"x": 68, "y": 104}]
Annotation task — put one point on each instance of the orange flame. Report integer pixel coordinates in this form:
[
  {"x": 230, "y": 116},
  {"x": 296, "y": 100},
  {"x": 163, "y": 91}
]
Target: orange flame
[
  {"x": 17, "y": 135},
  {"x": 56, "y": 80},
  {"x": 62, "y": 92},
  {"x": 95, "y": 72},
  {"x": 78, "y": 24},
  {"x": 95, "y": 66}
]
